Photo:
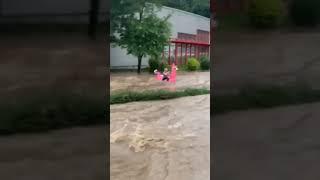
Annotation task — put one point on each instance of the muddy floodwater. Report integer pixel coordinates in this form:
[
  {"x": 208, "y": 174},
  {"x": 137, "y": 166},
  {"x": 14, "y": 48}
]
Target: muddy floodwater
[
  {"x": 161, "y": 140},
  {"x": 146, "y": 81}
]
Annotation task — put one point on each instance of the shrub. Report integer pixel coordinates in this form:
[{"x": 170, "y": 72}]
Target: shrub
[
  {"x": 164, "y": 64},
  {"x": 265, "y": 13},
  {"x": 193, "y": 64},
  {"x": 204, "y": 63},
  {"x": 153, "y": 64},
  {"x": 304, "y": 12},
  {"x": 183, "y": 67}
]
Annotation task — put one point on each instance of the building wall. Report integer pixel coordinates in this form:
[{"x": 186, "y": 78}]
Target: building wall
[
  {"x": 77, "y": 11},
  {"x": 181, "y": 21}
]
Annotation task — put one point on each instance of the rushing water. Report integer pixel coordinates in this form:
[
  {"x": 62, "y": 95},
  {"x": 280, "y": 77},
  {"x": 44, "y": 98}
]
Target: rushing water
[
  {"x": 132, "y": 81},
  {"x": 161, "y": 140}
]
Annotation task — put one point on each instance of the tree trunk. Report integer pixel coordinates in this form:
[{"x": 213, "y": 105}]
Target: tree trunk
[{"x": 139, "y": 64}]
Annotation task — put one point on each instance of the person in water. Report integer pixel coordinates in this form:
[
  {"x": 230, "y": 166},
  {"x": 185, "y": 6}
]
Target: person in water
[{"x": 165, "y": 74}]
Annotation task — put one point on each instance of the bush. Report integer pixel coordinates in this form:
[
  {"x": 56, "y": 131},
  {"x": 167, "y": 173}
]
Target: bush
[
  {"x": 183, "y": 67},
  {"x": 265, "y": 13},
  {"x": 304, "y": 12},
  {"x": 193, "y": 64},
  {"x": 164, "y": 64},
  {"x": 204, "y": 63},
  {"x": 153, "y": 64}
]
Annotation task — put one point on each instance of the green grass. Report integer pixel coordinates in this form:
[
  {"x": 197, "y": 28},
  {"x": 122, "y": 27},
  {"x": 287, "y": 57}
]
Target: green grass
[
  {"x": 125, "y": 97},
  {"x": 55, "y": 111},
  {"x": 184, "y": 68},
  {"x": 48, "y": 112},
  {"x": 264, "y": 97}
]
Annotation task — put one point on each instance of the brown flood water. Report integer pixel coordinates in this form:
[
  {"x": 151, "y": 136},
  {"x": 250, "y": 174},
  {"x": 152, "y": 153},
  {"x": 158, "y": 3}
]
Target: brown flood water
[
  {"x": 161, "y": 140},
  {"x": 132, "y": 81}
]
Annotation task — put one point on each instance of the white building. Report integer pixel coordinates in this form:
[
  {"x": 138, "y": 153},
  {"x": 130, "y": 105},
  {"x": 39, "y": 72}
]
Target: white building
[
  {"x": 77, "y": 12},
  {"x": 182, "y": 22}
]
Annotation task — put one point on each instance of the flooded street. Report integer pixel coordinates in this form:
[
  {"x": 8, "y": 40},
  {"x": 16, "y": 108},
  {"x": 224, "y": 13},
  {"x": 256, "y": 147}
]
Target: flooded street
[
  {"x": 132, "y": 81},
  {"x": 161, "y": 140}
]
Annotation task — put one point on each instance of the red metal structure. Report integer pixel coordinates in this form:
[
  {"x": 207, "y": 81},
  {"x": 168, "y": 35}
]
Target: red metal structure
[{"x": 186, "y": 46}]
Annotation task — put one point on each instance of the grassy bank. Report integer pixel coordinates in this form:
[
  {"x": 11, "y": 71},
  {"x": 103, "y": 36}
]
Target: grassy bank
[
  {"x": 264, "y": 97},
  {"x": 53, "y": 111},
  {"x": 125, "y": 97},
  {"x": 48, "y": 112}
]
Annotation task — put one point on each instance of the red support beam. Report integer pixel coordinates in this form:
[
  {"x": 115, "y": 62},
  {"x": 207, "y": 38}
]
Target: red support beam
[
  {"x": 175, "y": 53},
  {"x": 186, "y": 52},
  {"x": 197, "y": 52},
  {"x": 190, "y": 49},
  {"x": 181, "y": 53}
]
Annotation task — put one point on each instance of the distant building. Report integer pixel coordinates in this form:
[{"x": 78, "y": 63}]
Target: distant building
[{"x": 187, "y": 29}]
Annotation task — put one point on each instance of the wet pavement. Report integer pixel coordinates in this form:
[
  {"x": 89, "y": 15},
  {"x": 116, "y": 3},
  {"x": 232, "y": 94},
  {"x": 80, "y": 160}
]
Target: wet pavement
[
  {"x": 145, "y": 81},
  {"x": 277, "y": 143},
  {"x": 161, "y": 140}
]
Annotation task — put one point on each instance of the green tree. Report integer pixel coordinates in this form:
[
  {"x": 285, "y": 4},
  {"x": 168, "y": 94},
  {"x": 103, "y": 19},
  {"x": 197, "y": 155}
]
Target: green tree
[
  {"x": 201, "y": 7},
  {"x": 140, "y": 31},
  {"x": 201, "y": 10},
  {"x": 120, "y": 9}
]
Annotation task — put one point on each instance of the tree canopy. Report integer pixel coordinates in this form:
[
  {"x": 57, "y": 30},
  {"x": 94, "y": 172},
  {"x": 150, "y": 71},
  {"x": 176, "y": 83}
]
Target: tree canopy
[
  {"x": 137, "y": 28},
  {"x": 201, "y": 7}
]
